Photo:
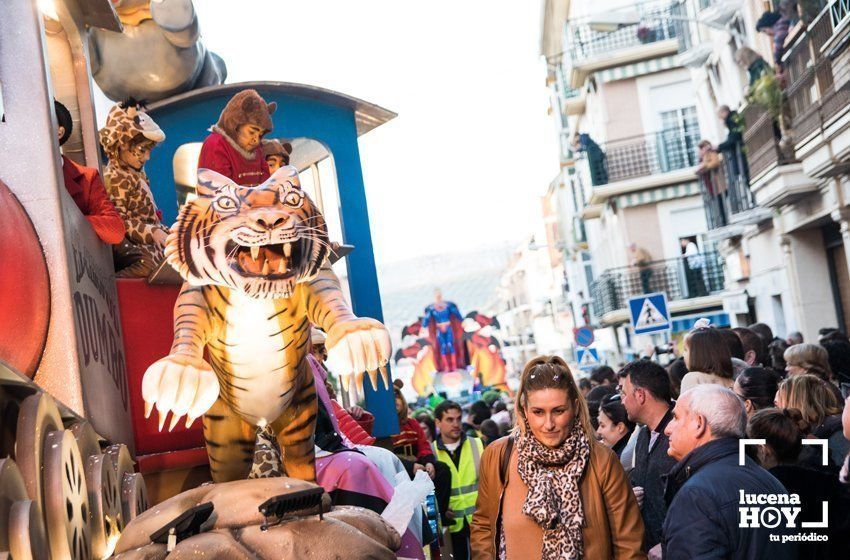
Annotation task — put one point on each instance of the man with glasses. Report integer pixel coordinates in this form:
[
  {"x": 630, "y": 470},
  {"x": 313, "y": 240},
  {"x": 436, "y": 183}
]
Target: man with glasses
[{"x": 645, "y": 393}]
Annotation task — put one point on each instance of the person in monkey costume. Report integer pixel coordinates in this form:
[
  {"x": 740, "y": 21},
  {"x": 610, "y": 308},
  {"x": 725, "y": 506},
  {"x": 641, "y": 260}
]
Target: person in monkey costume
[
  {"x": 276, "y": 154},
  {"x": 233, "y": 147}
]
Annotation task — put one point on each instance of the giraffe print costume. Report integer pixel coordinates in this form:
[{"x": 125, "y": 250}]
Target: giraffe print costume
[{"x": 139, "y": 254}]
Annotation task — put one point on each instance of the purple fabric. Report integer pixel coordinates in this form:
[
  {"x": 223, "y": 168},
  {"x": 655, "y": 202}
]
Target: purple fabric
[
  {"x": 356, "y": 473},
  {"x": 320, "y": 376},
  {"x": 353, "y": 471}
]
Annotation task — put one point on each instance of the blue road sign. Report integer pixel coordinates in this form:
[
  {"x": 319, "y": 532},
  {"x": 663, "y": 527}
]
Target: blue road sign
[
  {"x": 588, "y": 358},
  {"x": 584, "y": 336},
  {"x": 649, "y": 313}
]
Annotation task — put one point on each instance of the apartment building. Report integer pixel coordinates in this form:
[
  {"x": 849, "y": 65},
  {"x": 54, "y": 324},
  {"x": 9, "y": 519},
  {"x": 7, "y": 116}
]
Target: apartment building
[
  {"x": 630, "y": 124},
  {"x": 781, "y": 220}
]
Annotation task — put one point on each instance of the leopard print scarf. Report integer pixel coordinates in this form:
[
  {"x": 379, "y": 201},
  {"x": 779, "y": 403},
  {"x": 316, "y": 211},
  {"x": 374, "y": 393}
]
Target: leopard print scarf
[{"x": 554, "y": 500}]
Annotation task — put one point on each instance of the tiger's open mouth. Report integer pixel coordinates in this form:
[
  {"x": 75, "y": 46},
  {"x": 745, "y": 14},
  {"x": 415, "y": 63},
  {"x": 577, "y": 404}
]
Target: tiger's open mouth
[{"x": 275, "y": 261}]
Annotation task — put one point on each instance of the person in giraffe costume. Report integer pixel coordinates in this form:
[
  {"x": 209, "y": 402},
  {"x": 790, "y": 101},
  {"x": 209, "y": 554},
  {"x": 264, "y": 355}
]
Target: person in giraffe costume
[{"x": 127, "y": 139}]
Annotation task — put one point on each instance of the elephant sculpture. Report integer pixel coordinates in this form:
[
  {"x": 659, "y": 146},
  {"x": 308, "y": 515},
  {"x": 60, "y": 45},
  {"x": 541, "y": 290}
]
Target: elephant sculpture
[{"x": 158, "y": 55}]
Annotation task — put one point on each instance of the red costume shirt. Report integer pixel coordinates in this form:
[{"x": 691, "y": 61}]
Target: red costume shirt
[
  {"x": 87, "y": 190},
  {"x": 411, "y": 442},
  {"x": 219, "y": 154}
]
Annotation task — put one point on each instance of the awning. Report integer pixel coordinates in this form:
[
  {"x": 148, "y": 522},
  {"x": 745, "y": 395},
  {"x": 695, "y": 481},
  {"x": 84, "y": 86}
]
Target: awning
[
  {"x": 637, "y": 69},
  {"x": 657, "y": 195},
  {"x": 682, "y": 324}
]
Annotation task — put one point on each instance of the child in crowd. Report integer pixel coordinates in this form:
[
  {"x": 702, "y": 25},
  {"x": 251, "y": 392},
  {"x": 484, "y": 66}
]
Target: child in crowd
[
  {"x": 233, "y": 147},
  {"x": 127, "y": 139}
]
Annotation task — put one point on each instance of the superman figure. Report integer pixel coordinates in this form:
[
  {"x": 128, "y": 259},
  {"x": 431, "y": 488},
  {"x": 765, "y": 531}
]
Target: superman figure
[{"x": 443, "y": 319}]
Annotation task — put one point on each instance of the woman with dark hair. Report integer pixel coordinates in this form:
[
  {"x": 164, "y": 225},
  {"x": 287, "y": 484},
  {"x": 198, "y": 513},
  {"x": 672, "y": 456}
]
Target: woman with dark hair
[
  {"x": 708, "y": 359},
  {"x": 677, "y": 370},
  {"x": 594, "y": 400},
  {"x": 757, "y": 387},
  {"x": 838, "y": 354},
  {"x": 410, "y": 444},
  {"x": 736, "y": 349},
  {"x": 783, "y": 431},
  {"x": 603, "y": 375},
  {"x": 776, "y": 356},
  {"x": 426, "y": 422},
  {"x": 615, "y": 428},
  {"x": 552, "y": 491}
]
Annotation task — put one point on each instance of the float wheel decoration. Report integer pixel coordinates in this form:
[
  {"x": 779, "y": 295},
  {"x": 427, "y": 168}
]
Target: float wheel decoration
[
  {"x": 12, "y": 490},
  {"x": 26, "y": 532},
  {"x": 37, "y": 418},
  {"x": 106, "y": 518},
  {"x": 21, "y": 526},
  {"x": 134, "y": 495},
  {"x": 87, "y": 439},
  {"x": 66, "y": 502}
]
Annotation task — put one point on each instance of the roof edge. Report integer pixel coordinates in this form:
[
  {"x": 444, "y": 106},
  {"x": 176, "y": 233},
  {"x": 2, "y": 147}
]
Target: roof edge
[{"x": 368, "y": 116}]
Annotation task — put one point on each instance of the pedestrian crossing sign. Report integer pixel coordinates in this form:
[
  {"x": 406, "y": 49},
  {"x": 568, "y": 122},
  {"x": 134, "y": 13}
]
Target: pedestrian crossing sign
[
  {"x": 649, "y": 313},
  {"x": 588, "y": 358}
]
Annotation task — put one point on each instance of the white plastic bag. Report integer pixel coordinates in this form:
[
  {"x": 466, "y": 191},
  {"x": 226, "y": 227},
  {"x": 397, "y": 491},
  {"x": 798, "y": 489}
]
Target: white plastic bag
[{"x": 408, "y": 495}]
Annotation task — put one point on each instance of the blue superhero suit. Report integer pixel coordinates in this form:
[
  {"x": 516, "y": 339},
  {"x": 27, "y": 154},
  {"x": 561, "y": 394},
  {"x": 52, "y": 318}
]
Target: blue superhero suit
[{"x": 442, "y": 315}]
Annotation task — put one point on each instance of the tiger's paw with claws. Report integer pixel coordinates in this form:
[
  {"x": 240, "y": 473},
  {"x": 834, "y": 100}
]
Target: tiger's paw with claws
[
  {"x": 180, "y": 384},
  {"x": 357, "y": 347}
]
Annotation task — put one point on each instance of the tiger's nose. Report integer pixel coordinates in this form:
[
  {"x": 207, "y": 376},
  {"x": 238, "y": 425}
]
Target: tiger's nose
[{"x": 271, "y": 222}]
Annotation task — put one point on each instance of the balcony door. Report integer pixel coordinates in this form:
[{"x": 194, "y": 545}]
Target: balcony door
[{"x": 678, "y": 138}]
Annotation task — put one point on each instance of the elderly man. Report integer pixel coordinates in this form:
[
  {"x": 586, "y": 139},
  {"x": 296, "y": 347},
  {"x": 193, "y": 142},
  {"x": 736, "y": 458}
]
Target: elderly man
[{"x": 704, "y": 489}]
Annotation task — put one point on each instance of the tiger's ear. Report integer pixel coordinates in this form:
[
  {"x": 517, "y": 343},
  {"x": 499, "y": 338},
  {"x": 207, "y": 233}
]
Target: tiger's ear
[
  {"x": 286, "y": 174},
  {"x": 210, "y": 182}
]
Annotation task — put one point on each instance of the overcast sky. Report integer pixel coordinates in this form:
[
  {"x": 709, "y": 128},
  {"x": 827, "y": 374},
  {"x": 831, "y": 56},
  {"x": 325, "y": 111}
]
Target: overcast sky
[{"x": 472, "y": 150}]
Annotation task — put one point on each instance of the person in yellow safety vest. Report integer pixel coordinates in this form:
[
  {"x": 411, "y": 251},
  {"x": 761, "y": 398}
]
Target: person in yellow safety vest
[{"x": 462, "y": 454}]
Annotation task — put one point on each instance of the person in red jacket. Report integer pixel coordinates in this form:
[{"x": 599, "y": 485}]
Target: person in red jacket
[
  {"x": 86, "y": 188},
  {"x": 233, "y": 147}
]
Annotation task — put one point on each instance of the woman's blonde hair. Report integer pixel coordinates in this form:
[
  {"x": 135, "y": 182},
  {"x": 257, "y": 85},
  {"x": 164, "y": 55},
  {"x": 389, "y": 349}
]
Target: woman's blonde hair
[
  {"x": 551, "y": 372},
  {"x": 745, "y": 57},
  {"x": 810, "y": 395},
  {"x": 811, "y": 357}
]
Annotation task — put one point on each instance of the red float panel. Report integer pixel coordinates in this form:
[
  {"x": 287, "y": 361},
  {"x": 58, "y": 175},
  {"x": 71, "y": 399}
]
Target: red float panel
[
  {"x": 24, "y": 288},
  {"x": 147, "y": 317}
]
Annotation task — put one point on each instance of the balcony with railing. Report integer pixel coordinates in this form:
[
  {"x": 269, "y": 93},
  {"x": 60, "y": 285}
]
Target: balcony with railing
[
  {"x": 623, "y": 161},
  {"x": 818, "y": 85},
  {"x": 726, "y": 194},
  {"x": 776, "y": 175},
  {"x": 762, "y": 138},
  {"x": 684, "y": 278},
  {"x": 656, "y": 34}
]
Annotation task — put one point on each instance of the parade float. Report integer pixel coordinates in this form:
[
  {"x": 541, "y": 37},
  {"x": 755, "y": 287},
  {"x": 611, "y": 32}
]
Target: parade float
[
  {"x": 81, "y": 461},
  {"x": 452, "y": 355}
]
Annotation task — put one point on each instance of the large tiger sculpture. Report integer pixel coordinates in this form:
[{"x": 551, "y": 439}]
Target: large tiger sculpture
[{"x": 254, "y": 261}]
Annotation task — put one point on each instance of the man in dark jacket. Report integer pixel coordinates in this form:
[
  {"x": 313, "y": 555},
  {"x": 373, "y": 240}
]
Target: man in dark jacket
[
  {"x": 595, "y": 158},
  {"x": 705, "y": 488},
  {"x": 645, "y": 392}
]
